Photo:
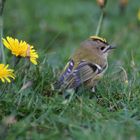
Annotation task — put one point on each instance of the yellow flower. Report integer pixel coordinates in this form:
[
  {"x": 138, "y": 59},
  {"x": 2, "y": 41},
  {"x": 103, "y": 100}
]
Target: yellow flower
[
  {"x": 138, "y": 15},
  {"x": 21, "y": 48},
  {"x": 5, "y": 73}
]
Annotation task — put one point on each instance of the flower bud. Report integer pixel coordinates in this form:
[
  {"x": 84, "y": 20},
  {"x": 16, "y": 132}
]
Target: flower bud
[
  {"x": 123, "y": 5},
  {"x": 101, "y": 3},
  {"x": 123, "y": 2}
]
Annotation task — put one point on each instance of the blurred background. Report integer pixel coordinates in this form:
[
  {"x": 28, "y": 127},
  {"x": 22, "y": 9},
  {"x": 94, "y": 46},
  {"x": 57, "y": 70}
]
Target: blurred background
[{"x": 56, "y": 27}]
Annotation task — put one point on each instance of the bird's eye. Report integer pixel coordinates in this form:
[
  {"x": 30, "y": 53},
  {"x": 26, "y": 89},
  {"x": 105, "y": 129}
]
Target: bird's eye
[{"x": 102, "y": 48}]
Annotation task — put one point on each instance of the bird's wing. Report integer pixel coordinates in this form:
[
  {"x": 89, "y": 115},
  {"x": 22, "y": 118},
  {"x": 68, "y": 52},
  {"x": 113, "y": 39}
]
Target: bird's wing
[
  {"x": 72, "y": 76},
  {"x": 65, "y": 74}
]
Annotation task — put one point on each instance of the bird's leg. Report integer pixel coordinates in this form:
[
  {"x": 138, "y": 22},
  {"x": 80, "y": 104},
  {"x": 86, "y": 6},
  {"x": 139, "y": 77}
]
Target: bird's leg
[
  {"x": 69, "y": 96},
  {"x": 93, "y": 89}
]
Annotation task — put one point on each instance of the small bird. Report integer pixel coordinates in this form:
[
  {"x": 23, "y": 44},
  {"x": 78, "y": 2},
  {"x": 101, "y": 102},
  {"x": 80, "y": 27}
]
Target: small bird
[{"x": 86, "y": 66}]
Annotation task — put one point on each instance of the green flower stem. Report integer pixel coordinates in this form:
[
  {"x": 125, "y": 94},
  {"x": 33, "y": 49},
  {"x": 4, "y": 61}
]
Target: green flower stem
[
  {"x": 1, "y": 35},
  {"x": 27, "y": 67},
  {"x": 100, "y": 23},
  {"x": 1, "y": 31}
]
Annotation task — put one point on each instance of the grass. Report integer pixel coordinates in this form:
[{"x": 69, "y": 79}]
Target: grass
[{"x": 56, "y": 28}]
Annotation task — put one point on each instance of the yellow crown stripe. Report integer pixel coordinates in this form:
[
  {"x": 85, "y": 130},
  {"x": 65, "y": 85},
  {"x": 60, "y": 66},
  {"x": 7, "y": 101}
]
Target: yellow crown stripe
[{"x": 98, "y": 38}]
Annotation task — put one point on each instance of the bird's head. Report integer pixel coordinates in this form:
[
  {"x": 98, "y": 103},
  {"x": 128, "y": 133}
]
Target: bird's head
[{"x": 100, "y": 45}]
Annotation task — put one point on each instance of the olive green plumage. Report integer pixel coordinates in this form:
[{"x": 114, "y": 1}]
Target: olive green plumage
[{"x": 87, "y": 65}]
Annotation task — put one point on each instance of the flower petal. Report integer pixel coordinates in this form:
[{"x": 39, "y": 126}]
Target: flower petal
[{"x": 21, "y": 48}]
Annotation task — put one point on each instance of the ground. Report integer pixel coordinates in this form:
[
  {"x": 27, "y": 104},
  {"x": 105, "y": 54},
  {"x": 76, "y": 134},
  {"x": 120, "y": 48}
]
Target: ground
[{"x": 56, "y": 28}]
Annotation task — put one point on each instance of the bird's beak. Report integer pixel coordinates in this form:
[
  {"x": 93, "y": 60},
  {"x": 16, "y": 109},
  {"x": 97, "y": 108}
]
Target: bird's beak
[{"x": 109, "y": 47}]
